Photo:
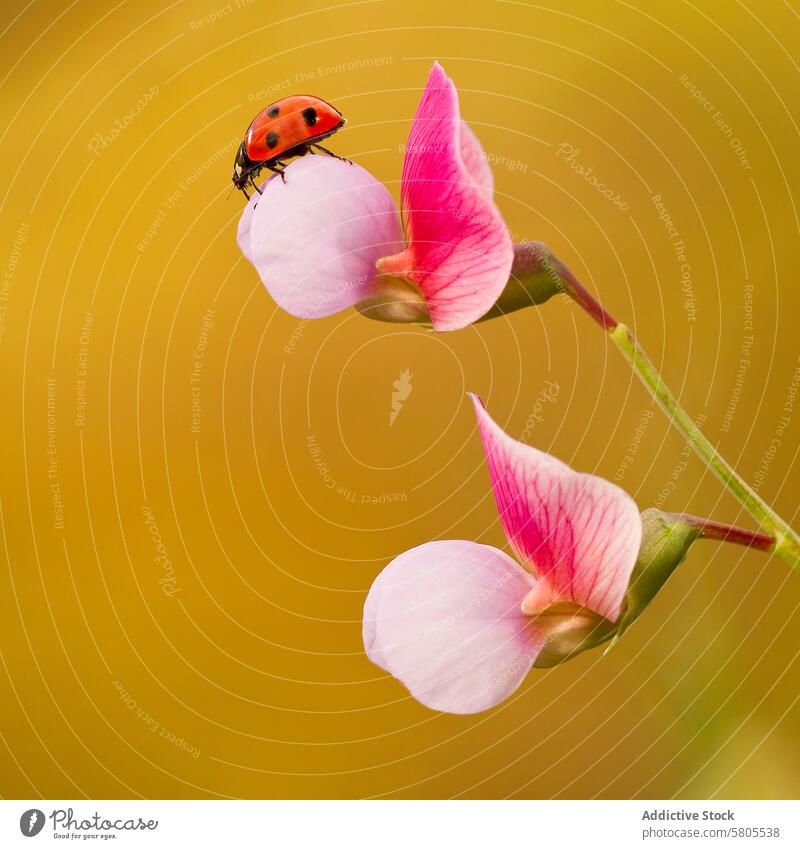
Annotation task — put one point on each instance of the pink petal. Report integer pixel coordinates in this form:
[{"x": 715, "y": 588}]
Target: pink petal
[
  {"x": 314, "y": 239},
  {"x": 459, "y": 250},
  {"x": 246, "y": 219},
  {"x": 476, "y": 161},
  {"x": 445, "y": 619},
  {"x": 579, "y": 533}
]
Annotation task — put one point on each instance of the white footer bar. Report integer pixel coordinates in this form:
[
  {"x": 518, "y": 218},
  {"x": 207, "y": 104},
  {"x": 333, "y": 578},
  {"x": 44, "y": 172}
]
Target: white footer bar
[{"x": 406, "y": 824}]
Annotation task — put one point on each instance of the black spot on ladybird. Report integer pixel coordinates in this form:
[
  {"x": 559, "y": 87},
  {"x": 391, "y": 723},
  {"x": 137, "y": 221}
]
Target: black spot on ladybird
[
  {"x": 272, "y": 140},
  {"x": 310, "y": 116},
  {"x": 274, "y": 112}
]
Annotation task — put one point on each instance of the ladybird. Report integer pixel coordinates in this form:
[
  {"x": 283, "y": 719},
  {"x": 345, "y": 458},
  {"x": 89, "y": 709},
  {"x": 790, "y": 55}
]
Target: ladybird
[{"x": 289, "y": 127}]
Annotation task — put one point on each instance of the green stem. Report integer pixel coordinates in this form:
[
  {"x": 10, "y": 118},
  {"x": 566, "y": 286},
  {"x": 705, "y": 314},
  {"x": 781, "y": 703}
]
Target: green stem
[{"x": 786, "y": 542}]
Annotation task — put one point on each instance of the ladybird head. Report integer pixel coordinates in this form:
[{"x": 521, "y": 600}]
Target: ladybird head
[{"x": 241, "y": 166}]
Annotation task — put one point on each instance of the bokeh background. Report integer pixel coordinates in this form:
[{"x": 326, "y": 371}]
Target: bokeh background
[{"x": 199, "y": 489}]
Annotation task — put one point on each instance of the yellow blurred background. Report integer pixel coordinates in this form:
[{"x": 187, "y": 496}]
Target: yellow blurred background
[{"x": 198, "y": 489}]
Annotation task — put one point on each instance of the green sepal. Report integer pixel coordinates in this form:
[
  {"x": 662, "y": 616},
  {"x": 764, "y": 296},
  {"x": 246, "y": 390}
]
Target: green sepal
[
  {"x": 534, "y": 279},
  {"x": 666, "y": 539}
]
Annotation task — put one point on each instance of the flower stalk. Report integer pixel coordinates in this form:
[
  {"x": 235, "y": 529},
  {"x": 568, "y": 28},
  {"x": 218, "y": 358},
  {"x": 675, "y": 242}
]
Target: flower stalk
[
  {"x": 783, "y": 540},
  {"x": 709, "y": 529}
]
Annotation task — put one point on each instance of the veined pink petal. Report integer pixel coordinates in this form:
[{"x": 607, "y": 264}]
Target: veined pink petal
[
  {"x": 475, "y": 160},
  {"x": 578, "y": 532},
  {"x": 459, "y": 250},
  {"x": 444, "y": 618},
  {"x": 314, "y": 239}
]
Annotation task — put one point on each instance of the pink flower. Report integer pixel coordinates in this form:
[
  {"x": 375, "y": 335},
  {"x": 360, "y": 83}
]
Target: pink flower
[
  {"x": 331, "y": 237},
  {"x": 461, "y": 624}
]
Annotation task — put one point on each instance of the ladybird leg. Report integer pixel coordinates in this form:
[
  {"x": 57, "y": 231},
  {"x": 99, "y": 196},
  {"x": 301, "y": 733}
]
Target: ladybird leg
[
  {"x": 253, "y": 184},
  {"x": 331, "y": 153},
  {"x": 277, "y": 168}
]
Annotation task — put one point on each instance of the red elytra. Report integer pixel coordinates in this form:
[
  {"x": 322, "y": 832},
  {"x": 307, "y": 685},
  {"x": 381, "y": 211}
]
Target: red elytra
[{"x": 289, "y": 127}]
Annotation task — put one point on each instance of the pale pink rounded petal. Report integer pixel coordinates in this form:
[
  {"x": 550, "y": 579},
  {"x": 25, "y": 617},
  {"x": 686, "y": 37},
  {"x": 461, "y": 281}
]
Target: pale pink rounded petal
[
  {"x": 314, "y": 239},
  {"x": 445, "y": 619},
  {"x": 243, "y": 230},
  {"x": 246, "y": 218},
  {"x": 369, "y": 625},
  {"x": 459, "y": 250},
  {"x": 578, "y": 532}
]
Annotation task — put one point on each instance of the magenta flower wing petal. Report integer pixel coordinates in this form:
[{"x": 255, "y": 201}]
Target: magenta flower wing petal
[
  {"x": 475, "y": 160},
  {"x": 578, "y": 532},
  {"x": 459, "y": 250},
  {"x": 314, "y": 239},
  {"x": 445, "y": 619}
]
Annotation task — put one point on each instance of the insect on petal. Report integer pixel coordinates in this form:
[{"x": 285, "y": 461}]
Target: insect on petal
[{"x": 314, "y": 239}]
